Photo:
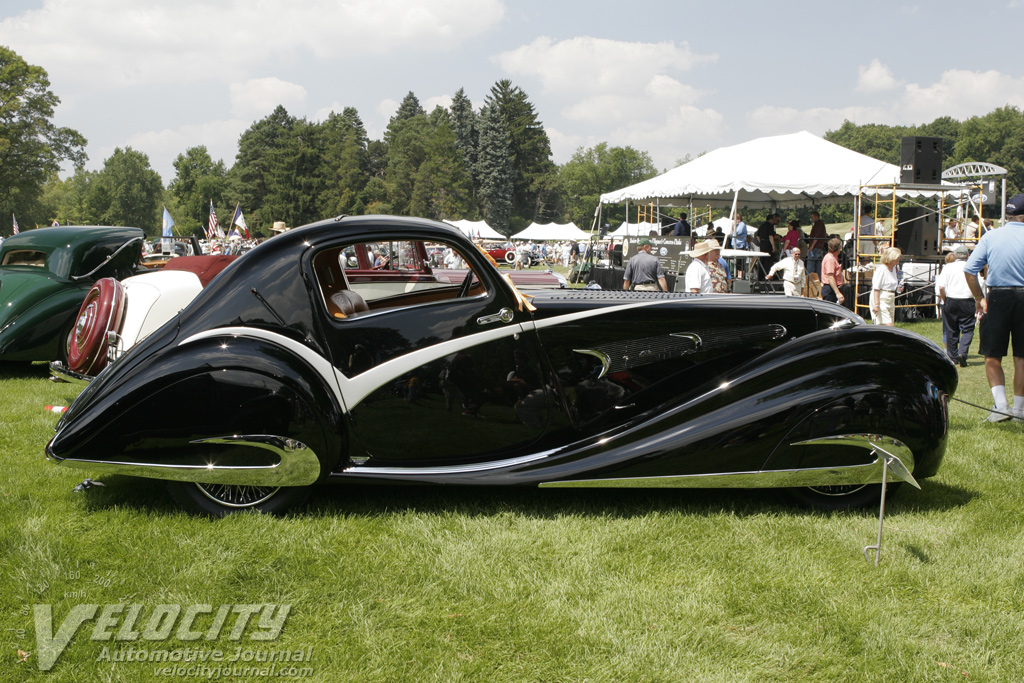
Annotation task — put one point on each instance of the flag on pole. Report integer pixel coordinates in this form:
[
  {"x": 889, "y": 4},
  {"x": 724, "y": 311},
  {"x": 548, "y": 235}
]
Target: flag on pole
[
  {"x": 168, "y": 224},
  {"x": 13, "y": 218},
  {"x": 239, "y": 220},
  {"x": 213, "y": 230},
  {"x": 234, "y": 232}
]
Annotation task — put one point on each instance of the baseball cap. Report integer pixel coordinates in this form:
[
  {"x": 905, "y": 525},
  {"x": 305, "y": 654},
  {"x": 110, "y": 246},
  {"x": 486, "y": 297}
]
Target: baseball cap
[
  {"x": 961, "y": 252},
  {"x": 644, "y": 241},
  {"x": 1015, "y": 206}
]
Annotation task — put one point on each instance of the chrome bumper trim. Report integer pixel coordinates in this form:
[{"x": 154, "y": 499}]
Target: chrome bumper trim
[
  {"x": 297, "y": 465},
  {"x": 62, "y": 373}
]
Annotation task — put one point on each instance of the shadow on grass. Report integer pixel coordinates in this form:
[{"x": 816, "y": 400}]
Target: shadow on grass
[
  {"x": 10, "y": 369},
  {"x": 384, "y": 500}
]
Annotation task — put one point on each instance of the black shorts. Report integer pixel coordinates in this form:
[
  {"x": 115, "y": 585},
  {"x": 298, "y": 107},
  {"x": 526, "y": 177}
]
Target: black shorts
[{"x": 1005, "y": 317}]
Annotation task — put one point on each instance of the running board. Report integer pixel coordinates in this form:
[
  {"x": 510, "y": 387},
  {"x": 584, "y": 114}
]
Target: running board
[{"x": 893, "y": 460}]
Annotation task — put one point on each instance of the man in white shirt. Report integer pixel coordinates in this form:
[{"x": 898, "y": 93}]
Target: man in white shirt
[
  {"x": 958, "y": 310},
  {"x": 794, "y": 275},
  {"x": 698, "y": 277}
]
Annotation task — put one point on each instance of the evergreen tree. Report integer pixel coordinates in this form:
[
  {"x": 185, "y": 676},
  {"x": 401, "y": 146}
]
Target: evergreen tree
[
  {"x": 494, "y": 168},
  {"x": 345, "y": 161},
  {"x": 464, "y": 126},
  {"x": 533, "y": 172},
  {"x": 256, "y": 159},
  {"x": 442, "y": 188}
]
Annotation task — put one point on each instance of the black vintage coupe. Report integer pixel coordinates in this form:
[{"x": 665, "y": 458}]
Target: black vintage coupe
[{"x": 300, "y": 365}]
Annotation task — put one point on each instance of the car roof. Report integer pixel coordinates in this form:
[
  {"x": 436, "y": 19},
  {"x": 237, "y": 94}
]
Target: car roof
[{"x": 68, "y": 246}]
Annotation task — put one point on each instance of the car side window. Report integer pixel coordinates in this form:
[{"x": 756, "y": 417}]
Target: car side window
[{"x": 366, "y": 277}]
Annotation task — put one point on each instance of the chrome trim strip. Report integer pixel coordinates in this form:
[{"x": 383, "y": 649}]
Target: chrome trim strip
[
  {"x": 452, "y": 469},
  {"x": 695, "y": 338},
  {"x": 606, "y": 360},
  {"x": 297, "y": 465},
  {"x": 892, "y": 453}
]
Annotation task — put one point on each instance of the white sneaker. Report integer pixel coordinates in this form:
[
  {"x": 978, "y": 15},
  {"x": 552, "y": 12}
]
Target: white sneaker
[
  {"x": 1001, "y": 416},
  {"x": 1018, "y": 415}
]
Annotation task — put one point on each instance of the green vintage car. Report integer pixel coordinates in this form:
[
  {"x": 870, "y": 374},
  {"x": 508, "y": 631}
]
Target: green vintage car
[{"x": 45, "y": 275}]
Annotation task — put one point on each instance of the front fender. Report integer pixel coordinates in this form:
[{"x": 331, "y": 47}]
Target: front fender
[{"x": 222, "y": 409}]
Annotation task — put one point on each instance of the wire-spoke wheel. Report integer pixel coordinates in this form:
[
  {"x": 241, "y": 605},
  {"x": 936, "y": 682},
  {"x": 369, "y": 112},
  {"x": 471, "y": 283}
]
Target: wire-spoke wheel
[
  {"x": 845, "y": 497},
  {"x": 218, "y": 500}
]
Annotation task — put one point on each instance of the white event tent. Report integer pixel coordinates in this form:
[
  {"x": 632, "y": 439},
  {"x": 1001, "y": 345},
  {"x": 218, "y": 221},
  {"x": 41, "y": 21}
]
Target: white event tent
[
  {"x": 779, "y": 171},
  {"x": 474, "y": 229},
  {"x": 552, "y": 231}
]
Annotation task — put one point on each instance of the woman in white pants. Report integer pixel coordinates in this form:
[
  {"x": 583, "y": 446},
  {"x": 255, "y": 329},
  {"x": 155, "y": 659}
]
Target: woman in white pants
[{"x": 884, "y": 284}]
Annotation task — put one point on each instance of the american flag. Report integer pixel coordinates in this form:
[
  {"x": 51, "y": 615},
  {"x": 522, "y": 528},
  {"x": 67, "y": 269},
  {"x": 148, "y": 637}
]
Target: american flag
[
  {"x": 213, "y": 228},
  {"x": 15, "y": 224}
]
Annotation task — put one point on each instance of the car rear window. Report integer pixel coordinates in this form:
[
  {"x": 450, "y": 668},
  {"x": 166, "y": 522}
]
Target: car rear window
[{"x": 25, "y": 257}]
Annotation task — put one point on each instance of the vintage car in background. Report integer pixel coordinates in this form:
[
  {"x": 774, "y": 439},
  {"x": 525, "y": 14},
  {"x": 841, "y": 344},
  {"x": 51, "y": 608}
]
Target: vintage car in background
[
  {"x": 45, "y": 275},
  {"x": 503, "y": 255},
  {"x": 301, "y": 365}
]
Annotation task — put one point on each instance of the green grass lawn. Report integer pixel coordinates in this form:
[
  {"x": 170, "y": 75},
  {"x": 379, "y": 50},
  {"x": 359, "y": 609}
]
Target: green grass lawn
[{"x": 420, "y": 584}]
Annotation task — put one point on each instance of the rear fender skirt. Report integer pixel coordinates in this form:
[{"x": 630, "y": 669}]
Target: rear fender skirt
[
  {"x": 296, "y": 464},
  {"x": 888, "y": 453}
]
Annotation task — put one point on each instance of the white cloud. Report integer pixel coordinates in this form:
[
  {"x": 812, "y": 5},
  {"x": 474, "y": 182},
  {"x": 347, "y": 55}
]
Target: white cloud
[
  {"x": 595, "y": 65},
  {"x": 771, "y": 120},
  {"x": 444, "y": 101},
  {"x": 876, "y": 77},
  {"x": 112, "y": 43},
  {"x": 960, "y": 94},
  {"x": 258, "y": 97},
  {"x": 163, "y": 146}
]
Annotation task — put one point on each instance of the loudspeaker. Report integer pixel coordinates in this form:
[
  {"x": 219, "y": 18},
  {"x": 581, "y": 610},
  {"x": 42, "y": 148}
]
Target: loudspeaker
[
  {"x": 921, "y": 160},
  {"x": 917, "y": 231}
]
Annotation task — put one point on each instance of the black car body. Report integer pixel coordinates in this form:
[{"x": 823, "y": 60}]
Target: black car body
[{"x": 292, "y": 368}]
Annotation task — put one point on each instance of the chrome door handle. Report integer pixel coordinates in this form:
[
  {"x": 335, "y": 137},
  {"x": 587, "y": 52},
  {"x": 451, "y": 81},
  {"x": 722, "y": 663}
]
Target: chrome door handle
[{"x": 505, "y": 315}]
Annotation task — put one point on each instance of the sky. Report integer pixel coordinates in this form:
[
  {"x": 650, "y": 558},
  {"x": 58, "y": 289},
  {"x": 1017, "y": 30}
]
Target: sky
[{"x": 668, "y": 77}]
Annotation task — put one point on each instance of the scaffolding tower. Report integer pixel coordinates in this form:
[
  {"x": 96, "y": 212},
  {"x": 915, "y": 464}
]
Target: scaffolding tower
[{"x": 879, "y": 228}]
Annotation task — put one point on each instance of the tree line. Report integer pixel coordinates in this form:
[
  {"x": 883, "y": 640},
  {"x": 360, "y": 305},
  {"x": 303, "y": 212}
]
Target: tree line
[{"x": 450, "y": 163}]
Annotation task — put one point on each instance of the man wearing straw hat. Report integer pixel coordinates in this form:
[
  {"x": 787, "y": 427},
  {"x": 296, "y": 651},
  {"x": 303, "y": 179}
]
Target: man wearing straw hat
[
  {"x": 698, "y": 275},
  {"x": 643, "y": 270}
]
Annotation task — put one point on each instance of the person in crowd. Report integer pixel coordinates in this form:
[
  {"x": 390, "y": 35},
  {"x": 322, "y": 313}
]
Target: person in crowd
[
  {"x": 866, "y": 229},
  {"x": 949, "y": 258},
  {"x": 832, "y": 279},
  {"x": 739, "y": 233},
  {"x": 682, "y": 228},
  {"x": 952, "y": 232},
  {"x": 793, "y": 236},
  {"x": 1001, "y": 307},
  {"x": 698, "y": 273},
  {"x": 884, "y": 284},
  {"x": 767, "y": 238},
  {"x": 958, "y": 318},
  {"x": 794, "y": 273},
  {"x": 767, "y": 241},
  {"x": 816, "y": 249},
  {"x": 643, "y": 270},
  {"x": 721, "y": 279}
]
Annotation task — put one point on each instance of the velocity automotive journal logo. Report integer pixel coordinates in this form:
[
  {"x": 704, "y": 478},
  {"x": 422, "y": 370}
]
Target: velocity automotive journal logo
[{"x": 130, "y": 623}]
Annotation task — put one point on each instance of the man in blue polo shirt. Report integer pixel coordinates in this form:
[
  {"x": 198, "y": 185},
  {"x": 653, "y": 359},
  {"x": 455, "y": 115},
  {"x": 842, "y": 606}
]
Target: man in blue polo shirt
[{"x": 1001, "y": 310}]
